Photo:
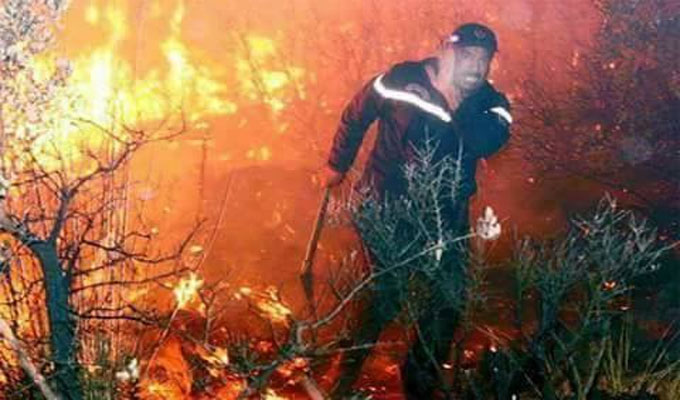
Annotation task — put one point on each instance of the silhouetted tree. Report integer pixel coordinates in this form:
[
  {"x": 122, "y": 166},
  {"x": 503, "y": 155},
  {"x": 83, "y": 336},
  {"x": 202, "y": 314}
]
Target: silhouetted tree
[{"x": 616, "y": 122}]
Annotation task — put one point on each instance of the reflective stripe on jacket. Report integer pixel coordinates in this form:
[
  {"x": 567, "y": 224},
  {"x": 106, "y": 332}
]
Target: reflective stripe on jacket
[{"x": 409, "y": 110}]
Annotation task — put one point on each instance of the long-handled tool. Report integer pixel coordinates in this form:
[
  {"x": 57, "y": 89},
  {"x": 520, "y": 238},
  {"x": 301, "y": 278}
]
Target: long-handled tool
[{"x": 306, "y": 273}]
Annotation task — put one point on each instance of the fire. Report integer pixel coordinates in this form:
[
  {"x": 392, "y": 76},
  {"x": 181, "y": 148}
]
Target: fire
[
  {"x": 170, "y": 376},
  {"x": 293, "y": 370},
  {"x": 272, "y": 306},
  {"x": 196, "y": 250},
  {"x": 269, "y": 303},
  {"x": 260, "y": 83},
  {"x": 218, "y": 356},
  {"x": 111, "y": 82},
  {"x": 230, "y": 391},
  {"x": 276, "y": 311},
  {"x": 261, "y": 154},
  {"x": 187, "y": 289},
  {"x": 271, "y": 395},
  {"x": 92, "y": 14},
  {"x": 106, "y": 89},
  {"x": 157, "y": 390},
  {"x": 221, "y": 355}
]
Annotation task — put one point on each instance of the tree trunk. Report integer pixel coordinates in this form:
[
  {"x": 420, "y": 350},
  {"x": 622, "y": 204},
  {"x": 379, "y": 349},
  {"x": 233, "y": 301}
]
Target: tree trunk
[{"x": 62, "y": 324}]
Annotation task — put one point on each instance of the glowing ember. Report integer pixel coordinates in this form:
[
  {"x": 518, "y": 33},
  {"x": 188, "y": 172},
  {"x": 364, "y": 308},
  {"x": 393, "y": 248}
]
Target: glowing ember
[
  {"x": 187, "y": 289},
  {"x": 286, "y": 370},
  {"x": 290, "y": 368},
  {"x": 230, "y": 391},
  {"x": 264, "y": 346},
  {"x": 156, "y": 390},
  {"x": 218, "y": 356},
  {"x": 260, "y": 154},
  {"x": 196, "y": 250},
  {"x": 222, "y": 355},
  {"x": 392, "y": 369},
  {"x": 271, "y": 395},
  {"x": 300, "y": 363}
]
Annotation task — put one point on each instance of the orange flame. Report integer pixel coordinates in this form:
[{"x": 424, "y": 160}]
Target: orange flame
[
  {"x": 218, "y": 356},
  {"x": 109, "y": 81},
  {"x": 170, "y": 376},
  {"x": 272, "y": 306},
  {"x": 158, "y": 391},
  {"x": 107, "y": 89},
  {"x": 260, "y": 83},
  {"x": 230, "y": 391},
  {"x": 268, "y": 303}
]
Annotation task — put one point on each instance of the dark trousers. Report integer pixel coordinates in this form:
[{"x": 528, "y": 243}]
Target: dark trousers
[{"x": 434, "y": 301}]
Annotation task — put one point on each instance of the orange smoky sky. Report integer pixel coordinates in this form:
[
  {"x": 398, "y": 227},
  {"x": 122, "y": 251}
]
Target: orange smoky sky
[{"x": 262, "y": 84}]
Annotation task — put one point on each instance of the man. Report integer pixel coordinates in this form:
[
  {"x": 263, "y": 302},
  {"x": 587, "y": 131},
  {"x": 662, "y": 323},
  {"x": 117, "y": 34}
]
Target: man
[{"x": 445, "y": 98}]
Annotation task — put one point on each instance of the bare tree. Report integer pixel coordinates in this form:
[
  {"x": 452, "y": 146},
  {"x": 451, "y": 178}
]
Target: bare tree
[
  {"x": 73, "y": 224},
  {"x": 66, "y": 200}
]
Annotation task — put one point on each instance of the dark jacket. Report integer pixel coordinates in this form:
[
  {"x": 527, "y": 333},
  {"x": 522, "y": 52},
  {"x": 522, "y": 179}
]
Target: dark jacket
[{"x": 409, "y": 109}]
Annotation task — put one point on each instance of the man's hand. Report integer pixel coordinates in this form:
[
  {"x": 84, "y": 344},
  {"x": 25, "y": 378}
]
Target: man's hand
[
  {"x": 329, "y": 178},
  {"x": 442, "y": 77}
]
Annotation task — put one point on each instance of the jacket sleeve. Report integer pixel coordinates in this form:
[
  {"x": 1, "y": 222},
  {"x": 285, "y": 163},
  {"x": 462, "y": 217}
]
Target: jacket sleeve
[
  {"x": 490, "y": 127},
  {"x": 357, "y": 116}
]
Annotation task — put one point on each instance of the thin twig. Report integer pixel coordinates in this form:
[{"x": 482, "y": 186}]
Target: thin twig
[{"x": 25, "y": 361}]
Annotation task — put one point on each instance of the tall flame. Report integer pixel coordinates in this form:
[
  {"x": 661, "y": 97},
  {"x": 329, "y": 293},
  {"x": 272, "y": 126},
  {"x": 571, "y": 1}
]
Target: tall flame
[
  {"x": 109, "y": 78},
  {"x": 105, "y": 88},
  {"x": 259, "y": 82}
]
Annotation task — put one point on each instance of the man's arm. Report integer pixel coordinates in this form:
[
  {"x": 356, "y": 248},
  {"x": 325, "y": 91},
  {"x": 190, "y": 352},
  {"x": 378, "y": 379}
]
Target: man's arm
[
  {"x": 490, "y": 128},
  {"x": 357, "y": 116}
]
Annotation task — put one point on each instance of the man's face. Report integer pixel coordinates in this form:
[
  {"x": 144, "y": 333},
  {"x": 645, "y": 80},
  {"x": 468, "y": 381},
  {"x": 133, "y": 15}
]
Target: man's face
[{"x": 471, "y": 67}]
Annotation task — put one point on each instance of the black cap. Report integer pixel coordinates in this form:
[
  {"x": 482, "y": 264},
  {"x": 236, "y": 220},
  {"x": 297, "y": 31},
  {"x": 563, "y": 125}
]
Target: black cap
[{"x": 474, "y": 34}]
